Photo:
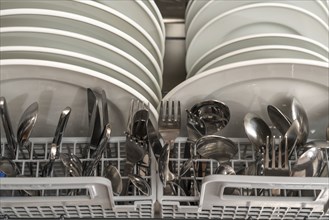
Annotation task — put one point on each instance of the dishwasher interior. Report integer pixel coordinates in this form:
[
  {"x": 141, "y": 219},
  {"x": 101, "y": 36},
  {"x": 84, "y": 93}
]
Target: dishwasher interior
[{"x": 198, "y": 191}]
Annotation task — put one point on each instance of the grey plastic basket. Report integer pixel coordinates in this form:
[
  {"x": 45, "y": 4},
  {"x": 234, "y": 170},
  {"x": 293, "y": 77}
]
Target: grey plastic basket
[
  {"x": 309, "y": 201},
  {"x": 53, "y": 200}
]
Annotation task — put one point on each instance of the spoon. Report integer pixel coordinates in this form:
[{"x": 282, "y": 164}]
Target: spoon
[
  {"x": 7, "y": 125},
  {"x": 112, "y": 173},
  {"x": 216, "y": 147},
  {"x": 299, "y": 114},
  {"x": 215, "y": 114},
  {"x": 257, "y": 130},
  {"x": 225, "y": 169},
  {"x": 322, "y": 144},
  {"x": 25, "y": 127},
  {"x": 26, "y": 124},
  {"x": 140, "y": 184},
  {"x": 309, "y": 164},
  {"x": 196, "y": 128},
  {"x": 279, "y": 120}
]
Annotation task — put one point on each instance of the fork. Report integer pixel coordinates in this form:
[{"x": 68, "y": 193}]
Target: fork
[
  {"x": 276, "y": 168},
  {"x": 169, "y": 125},
  {"x": 279, "y": 168}
]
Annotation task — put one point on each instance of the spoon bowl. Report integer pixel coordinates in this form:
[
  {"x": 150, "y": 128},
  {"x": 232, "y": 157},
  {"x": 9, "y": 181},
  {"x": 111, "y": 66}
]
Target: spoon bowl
[
  {"x": 216, "y": 147},
  {"x": 215, "y": 114},
  {"x": 26, "y": 123},
  {"x": 279, "y": 120},
  {"x": 309, "y": 164},
  {"x": 257, "y": 130},
  {"x": 299, "y": 114},
  {"x": 112, "y": 173},
  {"x": 225, "y": 169},
  {"x": 140, "y": 184}
]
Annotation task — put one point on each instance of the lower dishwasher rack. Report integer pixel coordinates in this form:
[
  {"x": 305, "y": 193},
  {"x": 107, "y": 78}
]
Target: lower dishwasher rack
[
  {"x": 310, "y": 200},
  {"x": 254, "y": 200},
  {"x": 53, "y": 200}
]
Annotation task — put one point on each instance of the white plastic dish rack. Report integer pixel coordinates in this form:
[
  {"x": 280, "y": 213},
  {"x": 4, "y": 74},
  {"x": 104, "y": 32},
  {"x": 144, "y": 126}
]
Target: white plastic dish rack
[
  {"x": 52, "y": 201},
  {"x": 309, "y": 200}
]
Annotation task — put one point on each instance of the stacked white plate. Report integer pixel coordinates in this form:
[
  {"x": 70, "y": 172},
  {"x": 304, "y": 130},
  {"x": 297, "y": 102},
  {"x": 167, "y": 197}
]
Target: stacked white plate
[
  {"x": 52, "y": 51},
  {"x": 250, "y": 54}
]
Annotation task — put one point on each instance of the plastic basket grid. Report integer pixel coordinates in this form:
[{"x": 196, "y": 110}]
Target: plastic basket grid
[
  {"x": 13, "y": 205},
  {"x": 179, "y": 206}
]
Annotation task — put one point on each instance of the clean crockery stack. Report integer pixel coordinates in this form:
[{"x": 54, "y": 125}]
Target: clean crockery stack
[
  {"x": 250, "y": 54},
  {"x": 52, "y": 51}
]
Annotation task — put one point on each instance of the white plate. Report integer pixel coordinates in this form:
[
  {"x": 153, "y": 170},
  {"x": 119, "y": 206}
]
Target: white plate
[
  {"x": 53, "y": 38},
  {"x": 81, "y": 25},
  {"x": 263, "y": 52},
  {"x": 252, "y": 85},
  {"x": 189, "y": 3},
  {"x": 195, "y": 6},
  {"x": 257, "y": 40},
  {"x": 140, "y": 14},
  {"x": 96, "y": 11},
  {"x": 157, "y": 14},
  {"x": 215, "y": 8},
  {"x": 57, "y": 85},
  {"x": 255, "y": 19},
  {"x": 85, "y": 61}
]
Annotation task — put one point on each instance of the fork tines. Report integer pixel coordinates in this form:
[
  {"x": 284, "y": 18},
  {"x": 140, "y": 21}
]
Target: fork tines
[
  {"x": 277, "y": 167},
  {"x": 170, "y": 115}
]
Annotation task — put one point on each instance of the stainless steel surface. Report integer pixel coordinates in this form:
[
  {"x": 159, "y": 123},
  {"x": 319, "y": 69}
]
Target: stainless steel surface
[
  {"x": 97, "y": 154},
  {"x": 173, "y": 12},
  {"x": 164, "y": 172},
  {"x": 62, "y": 122},
  {"x": 257, "y": 130},
  {"x": 113, "y": 174},
  {"x": 215, "y": 114},
  {"x": 140, "y": 184},
  {"x": 196, "y": 127},
  {"x": 7, "y": 125},
  {"x": 216, "y": 147},
  {"x": 279, "y": 120},
  {"x": 26, "y": 123},
  {"x": 309, "y": 164},
  {"x": 299, "y": 114},
  {"x": 225, "y": 169}
]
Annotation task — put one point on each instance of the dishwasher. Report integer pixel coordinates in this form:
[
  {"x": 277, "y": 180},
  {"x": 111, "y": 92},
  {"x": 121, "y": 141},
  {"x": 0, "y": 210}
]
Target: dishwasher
[{"x": 185, "y": 109}]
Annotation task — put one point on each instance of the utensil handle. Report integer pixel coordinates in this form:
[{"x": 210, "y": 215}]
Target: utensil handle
[
  {"x": 62, "y": 122},
  {"x": 7, "y": 125},
  {"x": 97, "y": 154}
]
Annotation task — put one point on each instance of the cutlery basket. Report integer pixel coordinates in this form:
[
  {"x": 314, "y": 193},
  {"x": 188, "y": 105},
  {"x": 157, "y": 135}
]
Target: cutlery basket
[
  {"x": 244, "y": 197},
  {"x": 53, "y": 197}
]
